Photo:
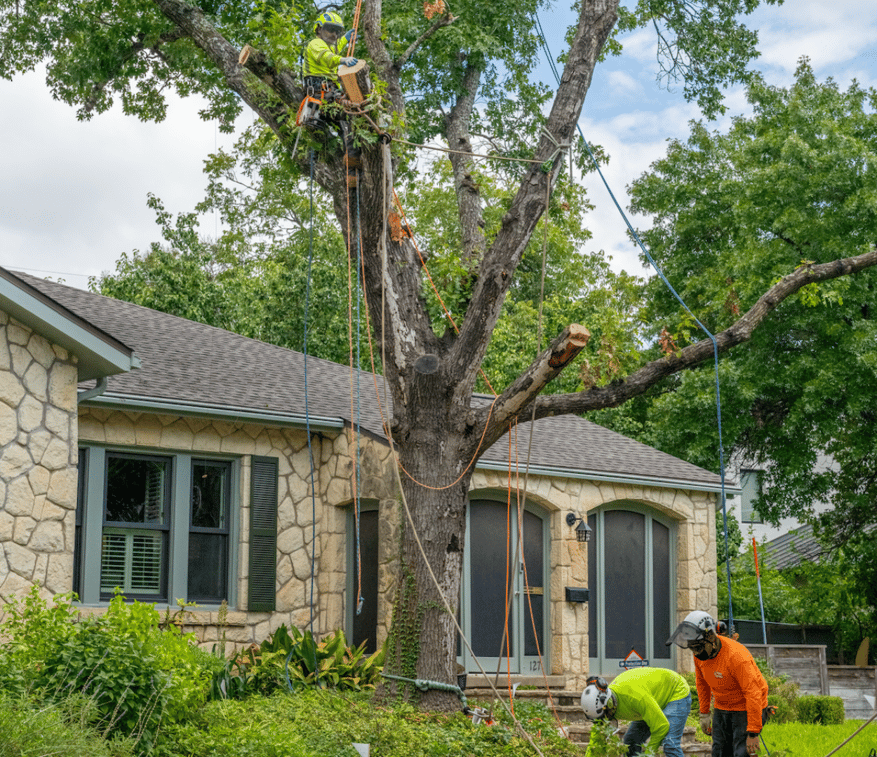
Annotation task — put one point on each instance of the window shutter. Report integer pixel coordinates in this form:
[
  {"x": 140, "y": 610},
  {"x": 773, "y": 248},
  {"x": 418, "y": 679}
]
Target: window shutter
[{"x": 263, "y": 534}]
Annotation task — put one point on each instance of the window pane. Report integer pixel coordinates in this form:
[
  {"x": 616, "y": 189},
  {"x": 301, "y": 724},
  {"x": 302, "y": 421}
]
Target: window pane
[
  {"x": 208, "y": 533},
  {"x": 136, "y": 490},
  {"x": 77, "y": 538},
  {"x": 210, "y": 484},
  {"x": 534, "y": 643},
  {"x": 365, "y": 624},
  {"x": 132, "y": 561},
  {"x": 661, "y": 590},
  {"x": 488, "y": 560},
  {"x": 208, "y": 567}
]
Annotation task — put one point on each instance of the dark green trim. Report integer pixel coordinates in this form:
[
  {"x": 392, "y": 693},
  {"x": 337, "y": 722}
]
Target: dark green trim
[{"x": 262, "y": 592}]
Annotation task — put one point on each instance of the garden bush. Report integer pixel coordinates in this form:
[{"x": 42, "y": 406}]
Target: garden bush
[
  {"x": 31, "y": 629},
  {"x": 295, "y": 660},
  {"x": 820, "y": 709},
  {"x": 135, "y": 673},
  {"x": 323, "y": 722},
  {"x": 62, "y": 730}
]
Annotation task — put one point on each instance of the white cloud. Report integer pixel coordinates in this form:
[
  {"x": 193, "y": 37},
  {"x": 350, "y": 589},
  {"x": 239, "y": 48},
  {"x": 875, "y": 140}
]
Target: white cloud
[
  {"x": 828, "y": 33},
  {"x": 622, "y": 83},
  {"x": 74, "y": 193}
]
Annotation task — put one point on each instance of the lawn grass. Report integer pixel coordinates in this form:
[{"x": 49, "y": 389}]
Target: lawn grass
[{"x": 807, "y": 740}]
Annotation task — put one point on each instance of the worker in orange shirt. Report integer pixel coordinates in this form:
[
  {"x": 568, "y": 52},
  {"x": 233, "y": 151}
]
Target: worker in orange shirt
[{"x": 724, "y": 670}]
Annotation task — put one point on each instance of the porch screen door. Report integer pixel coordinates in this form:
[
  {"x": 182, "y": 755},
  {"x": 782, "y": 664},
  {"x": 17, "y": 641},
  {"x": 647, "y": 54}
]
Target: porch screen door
[
  {"x": 490, "y": 569},
  {"x": 631, "y": 575}
]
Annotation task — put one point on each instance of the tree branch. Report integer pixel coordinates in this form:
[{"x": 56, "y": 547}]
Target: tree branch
[
  {"x": 469, "y": 211},
  {"x": 522, "y": 391},
  {"x": 650, "y": 374},
  {"x": 192, "y": 22},
  {"x": 495, "y": 275},
  {"x": 281, "y": 82},
  {"x": 137, "y": 47},
  {"x": 445, "y": 20}
]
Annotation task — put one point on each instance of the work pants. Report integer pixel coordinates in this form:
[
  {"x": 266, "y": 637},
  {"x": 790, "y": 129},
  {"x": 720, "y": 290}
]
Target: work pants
[
  {"x": 729, "y": 732},
  {"x": 639, "y": 733}
]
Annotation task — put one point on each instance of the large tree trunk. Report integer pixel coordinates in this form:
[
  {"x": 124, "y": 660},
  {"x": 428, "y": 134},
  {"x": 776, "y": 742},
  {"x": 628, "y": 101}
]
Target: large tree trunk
[{"x": 435, "y": 482}]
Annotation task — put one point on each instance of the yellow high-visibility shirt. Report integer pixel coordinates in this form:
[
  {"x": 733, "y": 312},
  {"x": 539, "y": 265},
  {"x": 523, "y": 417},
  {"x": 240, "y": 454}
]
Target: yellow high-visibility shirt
[{"x": 322, "y": 60}]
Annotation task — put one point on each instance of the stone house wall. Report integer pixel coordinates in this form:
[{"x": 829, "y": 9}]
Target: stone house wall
[
  {"x": 691, "y": 510},
  {"x": 37, "y": 461},
  {"x": 295, "y": 524}
]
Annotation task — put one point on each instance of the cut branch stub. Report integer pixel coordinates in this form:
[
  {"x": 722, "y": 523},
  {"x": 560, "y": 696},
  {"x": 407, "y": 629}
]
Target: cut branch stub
[{"x": 566, "y": 351}]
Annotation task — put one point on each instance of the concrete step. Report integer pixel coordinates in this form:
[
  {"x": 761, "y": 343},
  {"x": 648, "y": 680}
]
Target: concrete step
[{"x": 478, "y": 681}]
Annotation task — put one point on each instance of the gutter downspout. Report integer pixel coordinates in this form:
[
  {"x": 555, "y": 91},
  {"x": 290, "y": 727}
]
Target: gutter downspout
[{"x": 99, "y": 388}]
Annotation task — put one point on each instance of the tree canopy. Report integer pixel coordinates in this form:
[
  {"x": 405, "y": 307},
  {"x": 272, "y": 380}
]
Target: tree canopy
[{"x": 794, "y": 182}]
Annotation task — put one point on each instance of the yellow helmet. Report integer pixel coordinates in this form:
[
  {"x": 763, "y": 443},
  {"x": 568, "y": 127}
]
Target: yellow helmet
[{"x": 330, "y": 19}]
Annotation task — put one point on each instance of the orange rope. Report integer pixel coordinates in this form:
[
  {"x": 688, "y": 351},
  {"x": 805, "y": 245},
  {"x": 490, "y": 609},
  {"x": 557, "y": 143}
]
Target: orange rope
[
  {"x": 355, "y": 27},
  {"x": 508, "y": 547}
]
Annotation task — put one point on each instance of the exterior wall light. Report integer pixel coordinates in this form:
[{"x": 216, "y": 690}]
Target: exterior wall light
[{"x": 583, "y": 530}]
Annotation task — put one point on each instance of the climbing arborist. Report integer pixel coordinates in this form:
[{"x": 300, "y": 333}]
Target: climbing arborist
[
  {"x": 324, "y": 54},
  {"x": 724, "y": 670},
  {"x": 322, "y": 57},
  {"x": 657, "y": 700}
]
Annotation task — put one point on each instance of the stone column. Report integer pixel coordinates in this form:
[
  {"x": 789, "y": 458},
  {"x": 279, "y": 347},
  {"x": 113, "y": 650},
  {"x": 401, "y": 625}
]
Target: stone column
[{"x": 38, "y": 461}]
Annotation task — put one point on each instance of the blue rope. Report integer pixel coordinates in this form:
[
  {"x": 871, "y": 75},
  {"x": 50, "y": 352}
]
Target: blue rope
[
  {"x": 687, "y": 310},
  {"x": 357, "y": 505},
  {"x": 308, "y": 421}
]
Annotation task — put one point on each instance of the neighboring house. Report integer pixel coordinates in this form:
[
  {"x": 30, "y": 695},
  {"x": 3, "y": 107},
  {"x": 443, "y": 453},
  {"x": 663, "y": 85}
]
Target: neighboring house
[
  {"x": 182, "y": 470},
  {"x": 742, "y": 506}
]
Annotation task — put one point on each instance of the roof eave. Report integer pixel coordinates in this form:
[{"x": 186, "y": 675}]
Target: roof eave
[
  {"x": 111, "y": 401},
  {"x": 98, "y": 353},
  {"x": 611, "y": 477}
]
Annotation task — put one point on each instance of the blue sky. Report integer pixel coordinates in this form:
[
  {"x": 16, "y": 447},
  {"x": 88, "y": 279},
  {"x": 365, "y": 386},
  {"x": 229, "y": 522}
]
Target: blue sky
[{"x": 73, "y": 195}]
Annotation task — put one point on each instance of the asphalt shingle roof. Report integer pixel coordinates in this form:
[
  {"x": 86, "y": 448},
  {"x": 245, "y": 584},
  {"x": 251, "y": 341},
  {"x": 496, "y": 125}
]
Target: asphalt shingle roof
[
  {"x": 792, "y": 548},
  {"x": 184, "y": 361}
]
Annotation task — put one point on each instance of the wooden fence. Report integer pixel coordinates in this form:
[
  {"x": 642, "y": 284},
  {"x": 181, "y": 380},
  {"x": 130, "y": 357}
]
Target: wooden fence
[
  {"x": 852, "y": 684},
  {"x": 805, "y": 664}
]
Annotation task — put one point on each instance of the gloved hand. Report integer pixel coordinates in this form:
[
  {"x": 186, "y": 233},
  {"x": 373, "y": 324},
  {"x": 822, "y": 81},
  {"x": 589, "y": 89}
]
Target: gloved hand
[
  {"x": 348, "y": 35},
  {"x": 706, "y": 724},
  {"x": 751, "y": 744},
  {"x": 349, "y": 61}
]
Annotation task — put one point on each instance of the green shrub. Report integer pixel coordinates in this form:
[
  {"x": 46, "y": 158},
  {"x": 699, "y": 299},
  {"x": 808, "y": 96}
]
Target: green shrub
[
  {"x": 62, "y": 730},
  {"x": 31, "y": 629},
  {"x": 326, "y": 723},
  {"x": 820, "y": 709},
  {"x": 296, "y": 661},
  {"x": 134, "y": 673}
]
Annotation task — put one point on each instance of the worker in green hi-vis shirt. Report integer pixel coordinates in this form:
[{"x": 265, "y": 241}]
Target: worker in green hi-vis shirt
[{"x": 655, "y": 700}]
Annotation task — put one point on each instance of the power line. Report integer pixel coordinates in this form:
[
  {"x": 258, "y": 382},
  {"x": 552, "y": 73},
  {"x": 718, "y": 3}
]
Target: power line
[{"x": 14, "y": 267}]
